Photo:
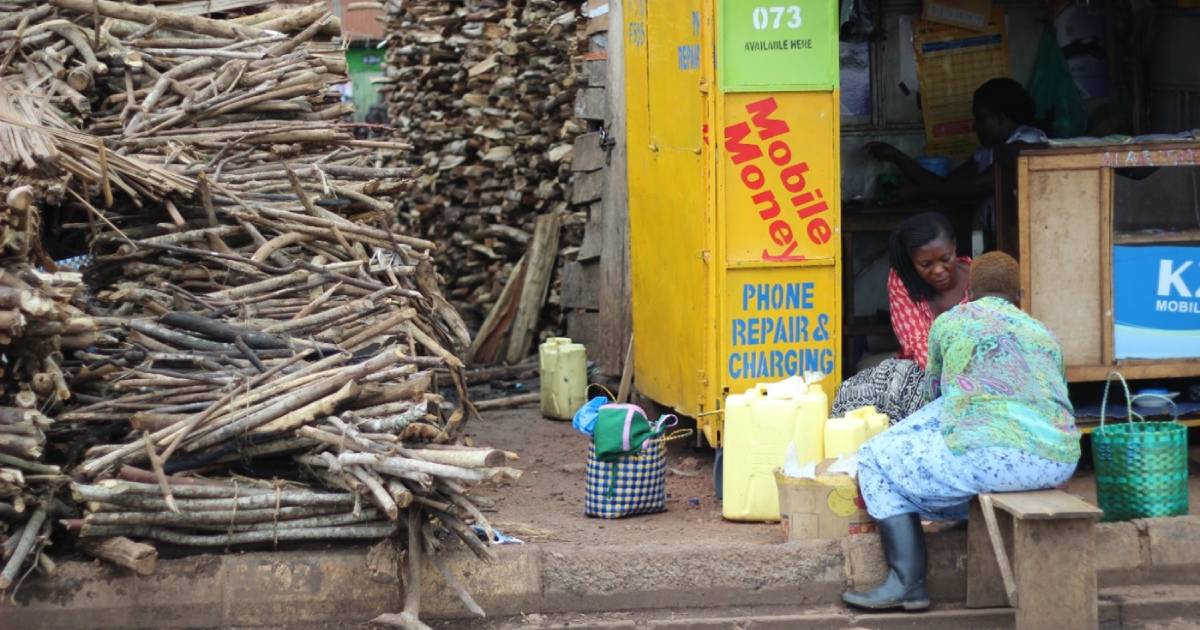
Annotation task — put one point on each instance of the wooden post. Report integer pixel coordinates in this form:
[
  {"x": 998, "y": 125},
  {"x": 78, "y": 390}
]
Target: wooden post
[
  {"x": 1055, "y": 569},
  {"x": 616, "y": 319},
  {"x": 542, "y": 254}
]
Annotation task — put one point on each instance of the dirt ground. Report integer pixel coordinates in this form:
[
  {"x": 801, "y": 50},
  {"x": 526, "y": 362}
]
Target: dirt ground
[{"x": 546, "y": 505}]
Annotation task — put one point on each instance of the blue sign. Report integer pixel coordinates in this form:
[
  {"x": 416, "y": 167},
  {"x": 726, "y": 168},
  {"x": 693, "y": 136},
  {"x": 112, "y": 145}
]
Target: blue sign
[
  {"x": 779, "y": 333},
  {"x": 1156, "y": 302}
]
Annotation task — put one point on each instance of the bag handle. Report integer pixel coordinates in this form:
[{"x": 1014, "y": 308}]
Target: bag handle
[
  {"x": 1104, "y": 402},
  {"x": 588, "y": 389},
  {"x": 1174, "y": 407},
  {"x": 625, "y": 437},
  {"x": 661, "y": 425},
  {"x": 675, "y": 435},
  {"x": 1130, "y": 414}
]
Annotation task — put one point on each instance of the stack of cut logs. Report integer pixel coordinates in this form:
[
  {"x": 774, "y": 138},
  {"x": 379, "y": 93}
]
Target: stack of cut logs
[
  {"x": 258, "y": 318},
  {"x": 484, "y": 90},
  {"x": 40, "y": 321}
]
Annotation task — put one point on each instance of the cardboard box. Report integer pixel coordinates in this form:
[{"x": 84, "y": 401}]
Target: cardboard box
[
  {"x": 970, "y": 14},
  {"x": 826, "y": 507}
]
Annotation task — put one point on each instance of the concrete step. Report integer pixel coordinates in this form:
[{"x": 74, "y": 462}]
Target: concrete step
[
  {"x": 1147, "y": 607},
  {"x": 344, "y": 586}
]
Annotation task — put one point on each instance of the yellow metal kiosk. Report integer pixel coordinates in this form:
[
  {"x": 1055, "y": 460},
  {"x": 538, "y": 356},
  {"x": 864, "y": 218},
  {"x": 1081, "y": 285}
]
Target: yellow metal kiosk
[{"x": 734, "y": 197}]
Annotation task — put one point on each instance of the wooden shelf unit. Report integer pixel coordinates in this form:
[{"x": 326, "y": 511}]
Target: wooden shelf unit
[{"x": 1065, "y": 200}]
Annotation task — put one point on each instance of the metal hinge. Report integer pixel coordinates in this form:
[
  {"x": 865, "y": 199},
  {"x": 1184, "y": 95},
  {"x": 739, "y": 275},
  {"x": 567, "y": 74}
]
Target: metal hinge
[{"x": 607, "y": 143}]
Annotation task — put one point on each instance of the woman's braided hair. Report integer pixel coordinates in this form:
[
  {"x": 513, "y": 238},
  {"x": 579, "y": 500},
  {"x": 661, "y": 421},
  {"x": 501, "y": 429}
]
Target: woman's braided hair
[{"x": 911, "y": 235}]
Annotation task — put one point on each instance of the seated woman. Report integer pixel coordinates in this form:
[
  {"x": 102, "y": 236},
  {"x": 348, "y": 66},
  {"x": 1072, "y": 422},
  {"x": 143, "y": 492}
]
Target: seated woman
[
  {"x": 999, "y": 421},
  {"x": 925, "y": 280}
]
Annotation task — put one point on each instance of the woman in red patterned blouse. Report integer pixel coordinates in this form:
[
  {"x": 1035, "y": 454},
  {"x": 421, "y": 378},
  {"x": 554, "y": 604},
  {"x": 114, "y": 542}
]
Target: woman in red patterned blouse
[{"x": 926, "y": 280}]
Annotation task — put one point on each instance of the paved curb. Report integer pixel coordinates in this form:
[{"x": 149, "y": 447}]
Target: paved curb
[
  {"x": 1120, "y": 608},
  {"x": 306, "y": 587}
]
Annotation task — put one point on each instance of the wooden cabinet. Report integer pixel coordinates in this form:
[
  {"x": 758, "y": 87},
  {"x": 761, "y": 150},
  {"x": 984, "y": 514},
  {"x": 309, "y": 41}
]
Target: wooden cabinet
[{"x": 1066, "y": 228}]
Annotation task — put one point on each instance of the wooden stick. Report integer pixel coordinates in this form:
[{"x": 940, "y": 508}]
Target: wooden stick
[
  {"x": 433, "y": 346},
  {"x": 146, "y": 15},
  {"x": 482, "y": 458},
  {"x": 145, "y": 477},
  {"x": 137, "y": 557},
  {"x": 452, "y": 581},
  {"x": 369, "y": 531},
  {"x": 399, "y": 464},
  {"x": 382, "y": 497},
  {"x": 400, "y": 493},
  {"x": 507, "y": 402},
  {"x": 409, "y": 618},
  {"x": 626, "y": 374},
  {"x": 92, "y": 209},
  {"x": 259, "y": 501},
  {"x": 221, "y": 331},
  {"x": 25, "y": 544},
  {"x": 465, "y": 534},
  {"x": 285, "y": 404},
  {"x": 214, "y": 517},
  {"x": 157, "y": 467},
  {"x": 28, "y": 466},
  {"x": 318, "y": 408},
  {"x": 459, "y": 499}
]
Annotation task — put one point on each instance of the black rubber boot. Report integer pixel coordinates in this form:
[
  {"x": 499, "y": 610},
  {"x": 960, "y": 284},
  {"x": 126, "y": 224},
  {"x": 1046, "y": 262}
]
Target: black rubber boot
[{"x": 904, "y": 550}]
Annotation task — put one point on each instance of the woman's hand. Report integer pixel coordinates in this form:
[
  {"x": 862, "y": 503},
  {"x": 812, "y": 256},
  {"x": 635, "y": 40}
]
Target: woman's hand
[{"x": 884, "y": 152}]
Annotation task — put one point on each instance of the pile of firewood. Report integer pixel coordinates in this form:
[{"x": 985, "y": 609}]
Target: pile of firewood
[
  {"x": 40, "y": 322},
  {"x": 260, "y": 354},
  {"x": 484, "y": 90}
]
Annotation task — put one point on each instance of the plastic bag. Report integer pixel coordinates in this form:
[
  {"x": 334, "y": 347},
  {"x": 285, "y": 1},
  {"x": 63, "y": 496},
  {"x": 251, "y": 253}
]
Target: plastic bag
[
  {"x": 1055, "y": 93},
  {"x": 585, "y": 418},
  {"x": 856, "y": 21}
]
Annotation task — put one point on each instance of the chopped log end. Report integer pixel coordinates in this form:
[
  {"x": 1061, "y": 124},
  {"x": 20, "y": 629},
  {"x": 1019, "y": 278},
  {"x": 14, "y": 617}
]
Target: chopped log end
[
  {"x": 20, "y": 198},
  {"x": 140, "y": 558}
]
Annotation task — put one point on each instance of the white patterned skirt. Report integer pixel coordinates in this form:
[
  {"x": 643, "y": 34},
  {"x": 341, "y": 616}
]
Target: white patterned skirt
[
  {"x": 893, "y": 387},
  {"x": 909, "y": 468}
]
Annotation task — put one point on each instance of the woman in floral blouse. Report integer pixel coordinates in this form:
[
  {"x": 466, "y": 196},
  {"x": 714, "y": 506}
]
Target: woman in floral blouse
[
  {"x": 925, "y": 280},
  {"x": 999, "y": 420}
]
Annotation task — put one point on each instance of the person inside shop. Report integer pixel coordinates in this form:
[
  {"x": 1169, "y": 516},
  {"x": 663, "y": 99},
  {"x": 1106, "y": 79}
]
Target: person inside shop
[
  {"x": 926, "y": 279},
  {"x": 999, "y": 420},
  {"x": 1004, "y": 113}
]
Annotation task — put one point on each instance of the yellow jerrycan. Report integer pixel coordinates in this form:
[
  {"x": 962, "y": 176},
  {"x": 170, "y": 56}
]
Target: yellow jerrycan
[
  {"x": 759, "y": 424},
  {"x": 563, "y": 374},
  {"x": 812, "y": 410},
  {"x": 813, "y": 413}
]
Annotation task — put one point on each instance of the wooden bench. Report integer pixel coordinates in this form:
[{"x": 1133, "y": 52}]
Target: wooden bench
[{"x": 1050, "y": 536}]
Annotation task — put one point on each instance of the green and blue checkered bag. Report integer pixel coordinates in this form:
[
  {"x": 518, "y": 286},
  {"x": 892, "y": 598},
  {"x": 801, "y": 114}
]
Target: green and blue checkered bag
[{"x": 629, "y": 484}]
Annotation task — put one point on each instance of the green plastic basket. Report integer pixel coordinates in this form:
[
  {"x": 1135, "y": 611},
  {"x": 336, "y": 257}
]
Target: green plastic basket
[{"x": 1141, "y": 467}]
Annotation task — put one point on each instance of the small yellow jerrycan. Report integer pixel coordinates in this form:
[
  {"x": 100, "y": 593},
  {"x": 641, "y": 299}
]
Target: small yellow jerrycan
[
  {"x": 563, "y": 373},
  {"x": 844, "y": 435},
  {"x": 876, "y": 422}
]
